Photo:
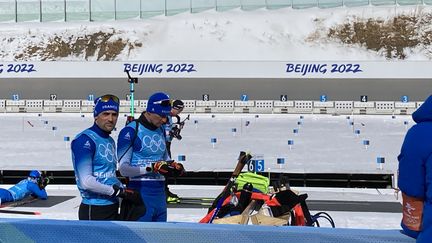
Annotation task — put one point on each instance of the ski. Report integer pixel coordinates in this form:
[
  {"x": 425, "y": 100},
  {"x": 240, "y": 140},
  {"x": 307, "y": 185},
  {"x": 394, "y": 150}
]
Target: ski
[
  {"x": 198, "y": 202},
  {"x": 189, "y": 204},
  {"x": 199, "y": 199},
  {"x": 19, "y": 212},
  {"x": 208, "y": 203}
]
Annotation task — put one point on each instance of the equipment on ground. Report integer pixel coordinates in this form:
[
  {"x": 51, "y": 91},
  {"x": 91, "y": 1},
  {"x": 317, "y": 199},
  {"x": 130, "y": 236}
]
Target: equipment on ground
[
  {"x": 243, "y": 159},
  {"x": 255, "y": 204}
]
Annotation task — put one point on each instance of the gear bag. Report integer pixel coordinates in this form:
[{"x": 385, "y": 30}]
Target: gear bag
[{"x": 258, "y": 182}]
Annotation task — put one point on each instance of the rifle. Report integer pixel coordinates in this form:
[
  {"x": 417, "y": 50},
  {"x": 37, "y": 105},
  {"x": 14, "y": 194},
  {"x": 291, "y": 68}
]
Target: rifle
[
  {"x": 243, "y": 159},
  {"x": 131, "y": 82},
  {"x": 175, "y": 131}
]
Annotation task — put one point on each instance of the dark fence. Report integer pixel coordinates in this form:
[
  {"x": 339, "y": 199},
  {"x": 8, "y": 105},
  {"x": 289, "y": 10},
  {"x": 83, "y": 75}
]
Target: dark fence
[{"x": 344, "y": 180}]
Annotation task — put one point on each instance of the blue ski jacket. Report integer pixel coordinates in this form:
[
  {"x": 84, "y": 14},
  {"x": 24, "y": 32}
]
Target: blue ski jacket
[
  {"x": 25, "y": 188},
  {"x": 138, "y": 150},
  {"x": 94, "y": 160},
  {"x": 415, "y": 168}
]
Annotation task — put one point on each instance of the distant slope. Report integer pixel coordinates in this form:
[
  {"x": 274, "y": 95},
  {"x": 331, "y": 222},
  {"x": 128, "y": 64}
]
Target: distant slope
[{"x": 362, "y": 33}]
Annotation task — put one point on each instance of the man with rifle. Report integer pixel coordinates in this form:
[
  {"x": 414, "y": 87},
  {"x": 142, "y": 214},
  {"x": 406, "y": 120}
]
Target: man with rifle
[
  {"x": 33, "y": 185},
  {"x": 172, "y": 130}
]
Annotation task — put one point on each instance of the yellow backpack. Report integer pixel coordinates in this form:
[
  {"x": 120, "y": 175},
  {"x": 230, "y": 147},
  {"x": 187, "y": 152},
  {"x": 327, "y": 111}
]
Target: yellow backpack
[{"x": 259, "y": 182}]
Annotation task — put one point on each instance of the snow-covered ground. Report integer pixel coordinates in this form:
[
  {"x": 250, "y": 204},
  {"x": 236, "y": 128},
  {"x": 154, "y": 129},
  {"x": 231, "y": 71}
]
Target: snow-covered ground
[
  {"x": 324, "y": 144},
  {"x": 68, "y": 210},
  {"x": 265, "y": 35}
]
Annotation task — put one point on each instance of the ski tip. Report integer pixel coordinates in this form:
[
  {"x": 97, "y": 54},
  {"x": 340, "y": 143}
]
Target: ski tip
[{"x": 37, "y": 213}]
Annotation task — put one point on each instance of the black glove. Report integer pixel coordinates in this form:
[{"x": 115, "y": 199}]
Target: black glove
[
  {"x": 175, "y": 132},
  {"x": 43, "y": 182},
  {"x": 128, "y": 194},
  {"x": 179, "y": 169},
  {"x": 169, "y": 168}
]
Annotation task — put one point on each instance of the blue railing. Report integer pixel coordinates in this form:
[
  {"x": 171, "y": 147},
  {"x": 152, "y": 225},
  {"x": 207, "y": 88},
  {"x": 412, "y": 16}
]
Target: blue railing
[
  {"x": 39, "y": 230},
  {"x": 103, "y": 10}
]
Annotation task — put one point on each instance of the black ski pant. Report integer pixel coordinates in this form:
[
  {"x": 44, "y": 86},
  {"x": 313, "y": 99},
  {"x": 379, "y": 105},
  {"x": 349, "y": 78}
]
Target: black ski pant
[
  {"x": 98, "y": 212},
  {"x": 168, "y": 148}
]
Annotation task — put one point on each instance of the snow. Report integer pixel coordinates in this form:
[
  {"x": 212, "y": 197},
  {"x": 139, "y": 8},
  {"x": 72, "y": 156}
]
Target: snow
[
  {"x": 265, "y": 35},
  {"x": 68, "y": 210},
  {"x": 324, "y": 144}
]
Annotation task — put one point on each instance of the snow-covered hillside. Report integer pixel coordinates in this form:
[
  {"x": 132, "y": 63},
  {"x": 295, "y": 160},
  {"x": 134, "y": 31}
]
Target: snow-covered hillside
[{"x": 267, "y": 35}]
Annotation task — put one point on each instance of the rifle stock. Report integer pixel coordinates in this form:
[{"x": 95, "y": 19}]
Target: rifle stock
[{"x": 217, "y": 203}]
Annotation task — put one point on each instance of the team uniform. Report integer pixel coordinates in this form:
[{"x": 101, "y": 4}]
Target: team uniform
[
  {"x": 136, "y": 163},
  {"x": 23, "y": 189},
  {"x": 168, "y": 136},
  {"x": 95, "y": 161},
  {"x": 415, "y": 175}
]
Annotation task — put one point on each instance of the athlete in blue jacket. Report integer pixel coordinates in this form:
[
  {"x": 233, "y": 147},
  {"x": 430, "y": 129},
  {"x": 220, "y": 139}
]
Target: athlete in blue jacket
[
  {"x": 143, "y": 157},
  {"x": 33, "y": 186},
  {"x": 95, "y": 162},
  {"x": 415, "y": 175}
]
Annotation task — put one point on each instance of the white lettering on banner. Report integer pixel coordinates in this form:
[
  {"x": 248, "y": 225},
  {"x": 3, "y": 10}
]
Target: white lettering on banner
[
  {"x": 159, "y": 68},
  {"x": 304, "y": 69},
  {"x": 17, "y": 68}
]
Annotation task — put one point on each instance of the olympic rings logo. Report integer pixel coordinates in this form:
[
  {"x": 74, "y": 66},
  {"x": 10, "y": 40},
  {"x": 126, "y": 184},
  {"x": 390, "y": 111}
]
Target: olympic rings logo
[
  {"x": 108, "y": 152},
  {"x": 154, "y": 143}
]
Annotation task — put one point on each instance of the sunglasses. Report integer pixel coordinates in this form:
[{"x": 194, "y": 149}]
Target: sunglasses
[
  {"x": 178, "y": 107},
  {"x": 106, "y": 98},
  {"x": 160, "y": 115},
  {"x": 162, "y": 102}
]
